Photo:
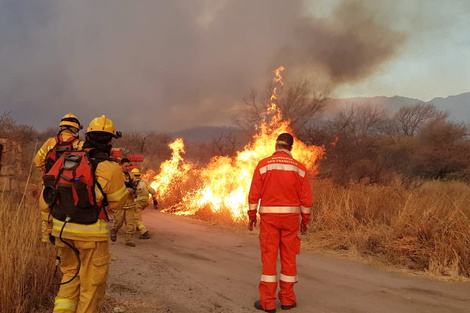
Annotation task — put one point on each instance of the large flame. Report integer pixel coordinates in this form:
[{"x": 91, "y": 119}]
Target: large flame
[{"x": 224, "y": 183}]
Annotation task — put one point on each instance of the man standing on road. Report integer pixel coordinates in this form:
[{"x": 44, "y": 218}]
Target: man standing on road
[
  {"x": 126, "y": 214},
  {"x": 66, "y": 140},
  {"x": 282, "y": 184}
]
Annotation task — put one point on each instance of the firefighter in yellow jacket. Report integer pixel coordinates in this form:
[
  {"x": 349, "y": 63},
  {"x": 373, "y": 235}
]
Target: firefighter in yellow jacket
[
  {"x": 126, "y": 214},
  {"x": 66, "y": 139},
  {"x": 90, "y": 241},
  {"x": 143, "y": 190}
]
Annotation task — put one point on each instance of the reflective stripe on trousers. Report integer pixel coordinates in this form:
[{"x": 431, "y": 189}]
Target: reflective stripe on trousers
[
  {"x": 279, "y": 209},
  {"x": 64, "y": 305}
]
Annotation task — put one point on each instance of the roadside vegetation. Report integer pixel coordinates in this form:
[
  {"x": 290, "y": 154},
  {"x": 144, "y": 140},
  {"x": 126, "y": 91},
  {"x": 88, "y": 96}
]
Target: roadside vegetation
[
  {"x": 424, "y": 228},
  {"x": 26, "y": 264}
]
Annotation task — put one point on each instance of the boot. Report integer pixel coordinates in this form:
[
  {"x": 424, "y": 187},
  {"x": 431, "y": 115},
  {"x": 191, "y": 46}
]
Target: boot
[
  {"x": 288, "y": 307},
  {"x": 145, "y": 235},
  {"x": 113, "y": 235},
  {"x": 257, "y": 305}
]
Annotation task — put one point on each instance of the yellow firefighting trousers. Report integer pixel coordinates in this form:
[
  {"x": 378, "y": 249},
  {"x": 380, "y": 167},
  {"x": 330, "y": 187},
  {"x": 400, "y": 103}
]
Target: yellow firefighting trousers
[
  {"x": 139, "y": 206},
  {"x": 83, "y": 294},
  {"x": 125, "y": 214}
]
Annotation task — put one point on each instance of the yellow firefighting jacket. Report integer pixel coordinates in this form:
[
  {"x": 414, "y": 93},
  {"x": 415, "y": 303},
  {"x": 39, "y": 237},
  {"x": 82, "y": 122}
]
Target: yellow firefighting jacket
[
  {"x": 109, "y": 176},
  {"x": 128, "y": 178},
  {"x": 143, "y": 191},
  {"x": 40, "y": 158}
]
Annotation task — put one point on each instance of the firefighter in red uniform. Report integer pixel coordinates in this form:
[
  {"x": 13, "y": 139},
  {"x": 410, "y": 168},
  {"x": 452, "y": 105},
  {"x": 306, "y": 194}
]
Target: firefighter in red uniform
[{"x": 282, "y": 184}]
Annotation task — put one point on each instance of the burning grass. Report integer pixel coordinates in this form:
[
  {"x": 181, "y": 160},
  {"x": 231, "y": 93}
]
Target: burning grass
[
  {"x": 427, "y": 228},
  {"x": 26, "y": 264}
]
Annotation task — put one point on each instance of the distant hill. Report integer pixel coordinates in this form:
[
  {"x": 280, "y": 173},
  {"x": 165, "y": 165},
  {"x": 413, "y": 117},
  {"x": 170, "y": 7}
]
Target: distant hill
[
  {"x": 392, "y": 104},
  {"x": 458, "y": 106}
]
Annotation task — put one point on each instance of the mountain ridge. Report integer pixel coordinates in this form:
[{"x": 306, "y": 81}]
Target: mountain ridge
[{"x": 458, "y": 107}]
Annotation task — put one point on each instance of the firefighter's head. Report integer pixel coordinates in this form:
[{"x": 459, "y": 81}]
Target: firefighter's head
[
  {"x": 70, "y": 121},
  {"x": 284, "y": 141},
  {"x": 99, "y": 134},
  {"x": 136, "y": 173},
  {"x": 125, "y": 165}
]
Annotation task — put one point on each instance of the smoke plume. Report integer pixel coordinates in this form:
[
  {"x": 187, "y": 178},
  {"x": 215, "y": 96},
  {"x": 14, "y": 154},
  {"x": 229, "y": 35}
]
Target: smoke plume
[{"x": 169, "y": 65}]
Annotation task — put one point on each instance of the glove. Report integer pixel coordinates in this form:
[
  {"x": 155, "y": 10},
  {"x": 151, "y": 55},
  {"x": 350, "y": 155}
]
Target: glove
[
  {"x": 155, "y": 204},
  {"x": 252, "y": 217},
  {"x": 303, "y": 229}
]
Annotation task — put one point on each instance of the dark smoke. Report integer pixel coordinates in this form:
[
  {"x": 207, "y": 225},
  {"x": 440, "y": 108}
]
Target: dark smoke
[
  {"x": 348, "y": 46},
  {"x": 169, "y": 65}
]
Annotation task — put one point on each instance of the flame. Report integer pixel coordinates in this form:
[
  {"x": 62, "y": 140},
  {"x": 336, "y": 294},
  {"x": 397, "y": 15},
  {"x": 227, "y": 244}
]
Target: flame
[{"x": 224, "y": 183}]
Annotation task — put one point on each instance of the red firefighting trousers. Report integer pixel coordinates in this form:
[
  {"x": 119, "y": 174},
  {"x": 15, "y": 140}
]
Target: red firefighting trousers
[{"x": 278, "y": 233}]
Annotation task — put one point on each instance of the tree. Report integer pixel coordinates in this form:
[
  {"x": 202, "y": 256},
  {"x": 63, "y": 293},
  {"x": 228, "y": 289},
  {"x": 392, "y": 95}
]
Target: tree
[
  {"x": 223, "y": 144},
  {"x": 299, "y": 103},
  {"x": 409, "y": 120},
  {"x": 444, "y": 149},
  {"x": 153, "y": 146}
]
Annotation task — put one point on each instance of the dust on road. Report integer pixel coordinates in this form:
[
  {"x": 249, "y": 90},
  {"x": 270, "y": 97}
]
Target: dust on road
[{"x": 192, "y": 266}]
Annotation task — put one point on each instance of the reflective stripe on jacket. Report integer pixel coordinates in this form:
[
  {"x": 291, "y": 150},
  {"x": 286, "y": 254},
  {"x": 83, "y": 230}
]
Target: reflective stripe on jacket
[{"x": 282, "y": 184}]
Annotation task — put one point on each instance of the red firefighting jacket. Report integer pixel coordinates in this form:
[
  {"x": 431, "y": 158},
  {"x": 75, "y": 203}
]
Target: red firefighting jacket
[{"x": 282, "y": 184}]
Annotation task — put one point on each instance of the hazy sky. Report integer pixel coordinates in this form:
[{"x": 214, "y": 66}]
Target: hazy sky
[{"x": 176, "y": 64}]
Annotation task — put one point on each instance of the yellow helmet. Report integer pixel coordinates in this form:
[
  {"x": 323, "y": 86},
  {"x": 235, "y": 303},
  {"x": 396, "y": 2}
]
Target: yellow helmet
[
  {"x": 135, "y": 172},
  {"x": 103, "y": 124},
  {"x": 70, "y": 119}
]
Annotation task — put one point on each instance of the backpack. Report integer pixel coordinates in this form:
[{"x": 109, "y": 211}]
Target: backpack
[
  {"x": 69, "y": 189},
  {"x": 60, "y": 147}
]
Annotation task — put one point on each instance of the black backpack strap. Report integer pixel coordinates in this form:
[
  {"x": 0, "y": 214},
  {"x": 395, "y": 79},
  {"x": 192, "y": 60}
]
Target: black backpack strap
[
  {"x": 94, "y": 161},
  {"x": 105, "y": 202}
]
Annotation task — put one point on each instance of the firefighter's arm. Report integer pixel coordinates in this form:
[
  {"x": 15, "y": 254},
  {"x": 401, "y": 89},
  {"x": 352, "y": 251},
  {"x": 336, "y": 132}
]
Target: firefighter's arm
[
  {"x": 253, "y": 198},
  {"x": 109, "y": 175},
  {"x": 306, "y": 204},
  {"x": 79, "y": 145},
  {"x": 46, "y": 220},
  {"x": 151, "y": 190},
  {"x": 154, "y": 196},
  {"x": 40, "y": 158}
]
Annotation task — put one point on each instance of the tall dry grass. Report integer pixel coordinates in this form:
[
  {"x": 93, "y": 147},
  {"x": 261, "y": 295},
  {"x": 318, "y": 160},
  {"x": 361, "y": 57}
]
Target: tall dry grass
[
  {"x": 26, "y": 264},
  {"x": 423, "y": 228}
]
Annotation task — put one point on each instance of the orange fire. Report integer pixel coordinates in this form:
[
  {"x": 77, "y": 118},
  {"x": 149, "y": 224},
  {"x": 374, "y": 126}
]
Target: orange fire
[{"x": 224, "y": 183}]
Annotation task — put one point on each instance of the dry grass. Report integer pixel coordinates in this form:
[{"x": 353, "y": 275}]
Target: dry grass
[
  {"x": 26, "y": 264},
  {"x": 426, "y": 228},
  {"x": 420, "y": 225}
]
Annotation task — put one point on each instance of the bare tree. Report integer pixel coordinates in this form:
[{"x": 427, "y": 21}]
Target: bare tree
[
  {"x": 358, "y": 121},
  {"x": 300, "y": 103},
  {"x": 409, "y": 120},
  {"x": 223, "y": 144}
]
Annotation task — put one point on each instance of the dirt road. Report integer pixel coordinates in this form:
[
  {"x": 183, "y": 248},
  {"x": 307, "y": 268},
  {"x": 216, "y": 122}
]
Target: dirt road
[{"x": 190, "y": 266}]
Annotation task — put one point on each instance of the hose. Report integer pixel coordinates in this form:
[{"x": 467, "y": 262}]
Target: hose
[{"x": 75, "y": 250}]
